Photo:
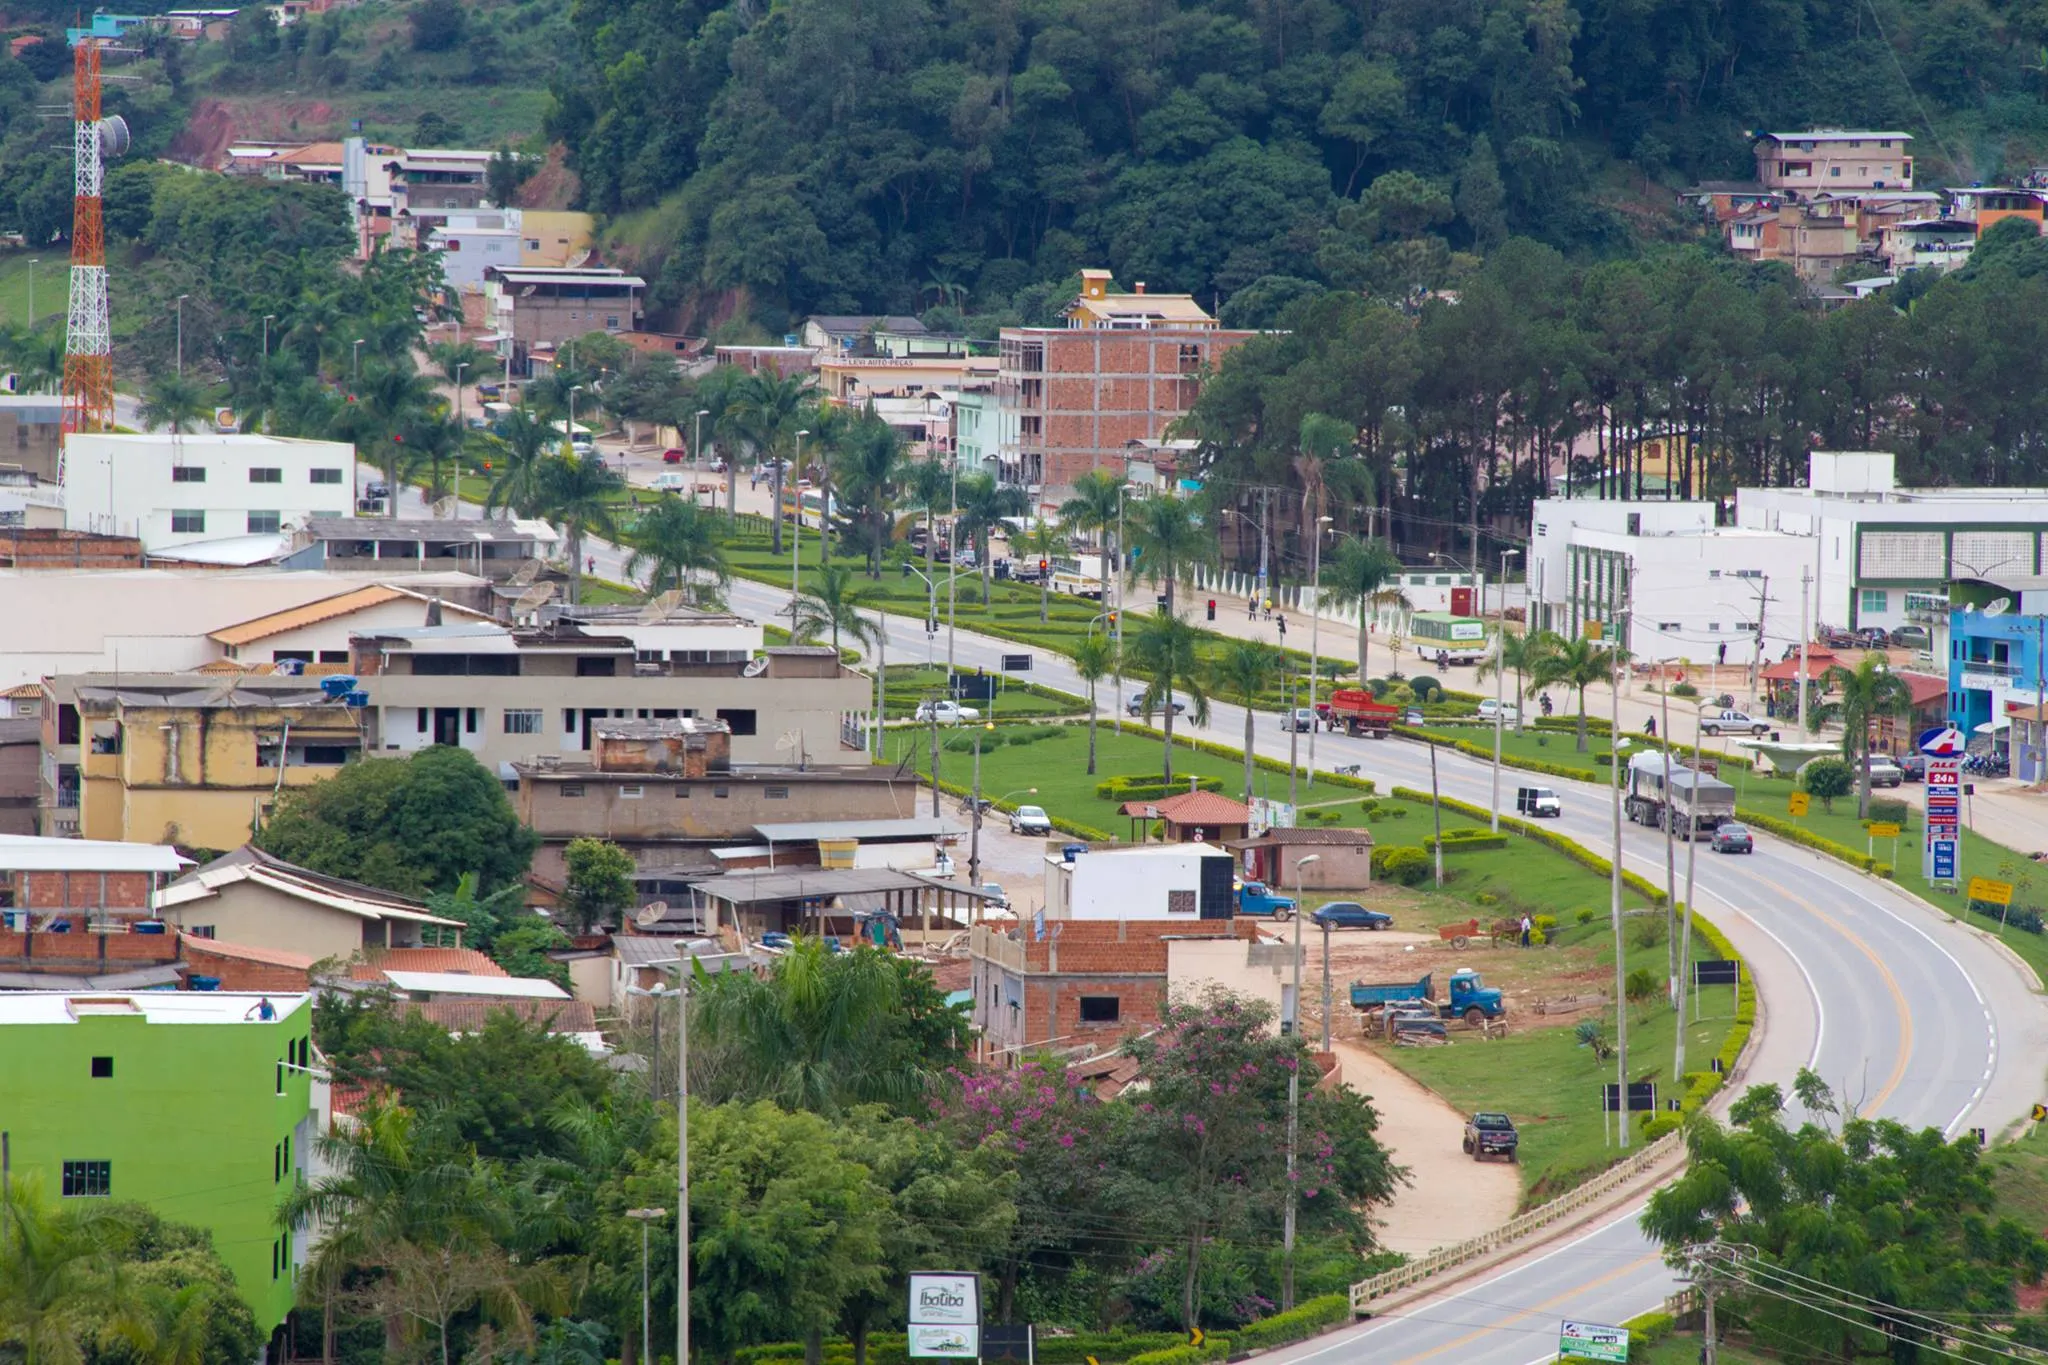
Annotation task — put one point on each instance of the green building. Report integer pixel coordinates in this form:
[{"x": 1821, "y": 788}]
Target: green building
[{"x": 186, "y": 1101}]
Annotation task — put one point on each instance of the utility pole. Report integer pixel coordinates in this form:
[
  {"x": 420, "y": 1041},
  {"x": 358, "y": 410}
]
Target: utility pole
[
  {"x": 1265, "y": 542},
  {"x": 1620, "y": 949},
  {"x": 1436, "y": 811},
  {"x": 974, "y": 835},
  {"x": 1294, "y": 1099},
  {"x": 1685, "y": 969},
  {"x": 934, "y": 713},
  {"x": 682, "y": 1165},
  {"x": 952, "y": 579},
  {"x": 1757, "y": 655},
  {"x": 1670, "y": 854},
  {"x": 1315, "y": 621},
  {"x": 1326, "y": 978},
  {"x": 1294, "y": 747},
  {"x": 1805, "y": 593}
]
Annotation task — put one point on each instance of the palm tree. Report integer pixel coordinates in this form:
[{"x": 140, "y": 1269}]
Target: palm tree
[
  {"x": 831, "y": 602},
  {"x": 1041, "y": 541},
  {"x": 984, "y": 505},
  {"x": 60, "y": 1274},
  {"x": 1093, "y": 659},
  {"x": 391, "y": 398},
  {"x": 174, "y": 403},
  {"x": 1166, "y": 541},
  {"x": 458, "y": 362},
  {"x": 578, "y": 493},
  {"x": 1869, "y": 692},
  {"x": 1165, "y": 647},
  {"x": 1098, "y": 497},
  {"x": 928, "y": 486},
  {"x": 867, "y": 463},
  {"x": 766, "y": 410},
  {"x": 674, "y": 542},
  {"x": 1245, "y": 669},
  {"x": 522, "y": 445},
  {"x": 1577, "y": 663},
  {"x": 431, "y": 440},
  {"x": 1362, "y": 574},
  {"x": 1517, "y": 654}
]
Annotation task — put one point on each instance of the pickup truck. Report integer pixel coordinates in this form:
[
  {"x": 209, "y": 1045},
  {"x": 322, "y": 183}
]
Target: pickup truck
[
  {"x": 1739, "y": 721},
  {"x": 1470, "y": 999},
  {"x": 1254, "y": 898},
  {"x": 1355, "y": 711},
  {"x": 1491, "y": 1135}
]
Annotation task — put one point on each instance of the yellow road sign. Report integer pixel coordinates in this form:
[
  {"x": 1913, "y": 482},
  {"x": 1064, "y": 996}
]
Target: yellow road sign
[
  {"x": 1990, "y": 892},
  {"x": 1798, "y": 802},
  {"x": 1883, "y": 829},
  {"x": 2041, "y": 1113},
  {"x": 1196, "y": 1336}
]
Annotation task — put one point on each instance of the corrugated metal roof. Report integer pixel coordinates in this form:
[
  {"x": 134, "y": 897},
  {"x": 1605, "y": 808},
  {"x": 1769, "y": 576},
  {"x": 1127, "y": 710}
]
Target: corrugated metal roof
[
  {"x": 801, "y": 831},
  {"x": 461, "y": 983},
  {"x": 32, "y": 853}
]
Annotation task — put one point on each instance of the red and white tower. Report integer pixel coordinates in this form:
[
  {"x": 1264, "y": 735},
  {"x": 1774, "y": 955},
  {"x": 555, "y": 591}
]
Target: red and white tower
[{"x": 88, "y": 337}]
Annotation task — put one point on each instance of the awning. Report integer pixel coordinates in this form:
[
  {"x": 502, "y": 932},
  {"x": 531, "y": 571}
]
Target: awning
[{"x": 1993, "y": 726}]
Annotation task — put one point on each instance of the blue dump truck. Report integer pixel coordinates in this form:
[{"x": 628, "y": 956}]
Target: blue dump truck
[{"x": 1471, "y": 999}]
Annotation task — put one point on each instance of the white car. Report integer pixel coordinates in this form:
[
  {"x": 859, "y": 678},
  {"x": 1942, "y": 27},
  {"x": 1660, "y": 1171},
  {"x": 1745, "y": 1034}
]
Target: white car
[
  {"x": 1738, "y": 721},
  {"x": 1030, "y": 820},
  {"x": 1507, "y": 711},
  {"x": 945, "y": 712}
]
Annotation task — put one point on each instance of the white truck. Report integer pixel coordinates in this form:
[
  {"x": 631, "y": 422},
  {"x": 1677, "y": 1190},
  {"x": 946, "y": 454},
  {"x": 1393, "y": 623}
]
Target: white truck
[{"x": 1659, "y": 784}]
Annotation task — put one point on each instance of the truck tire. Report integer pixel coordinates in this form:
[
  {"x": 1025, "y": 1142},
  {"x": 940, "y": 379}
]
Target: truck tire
[
  {"x": 1475, "y": 1017},
  {"x": 1710, "y": 730},
  {"x": 1282, "y": 915},
  {"x": 1459, "y": 942}
]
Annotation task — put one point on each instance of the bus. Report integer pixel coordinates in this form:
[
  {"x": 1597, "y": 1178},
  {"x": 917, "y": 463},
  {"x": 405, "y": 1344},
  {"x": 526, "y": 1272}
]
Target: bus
[
  {"x": 1445, "y": 639},
  {"x": 1078, "y": 575},
  {"x": 807, "y": 505}
]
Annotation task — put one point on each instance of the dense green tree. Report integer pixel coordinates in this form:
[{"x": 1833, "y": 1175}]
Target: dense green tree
[
  {"x": 1862, "y": 696},
  {"x": 676, "y": 546},
  {"x": 1167, "y": 651},
  {"x": 598, "y": 881},
  {"x": 410, "y": 825}
]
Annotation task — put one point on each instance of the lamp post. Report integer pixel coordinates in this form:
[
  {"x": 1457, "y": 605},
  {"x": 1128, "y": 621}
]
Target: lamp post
[
  {"x": 32, "y": 293},
  {"x": 268, "y": 318},
  {"x": 574, "y": 389},
  {"x": 643, "y": 1217},
  {"x": 1315, "y": 660},
  {"x": 1692, "y": 845},
  {"x": 1116, "y": 621},
  {"x": 355, "y": 361},
  {"x": 952, "y": 580},
  {"x": 796, "y": 530},
  {"x": 1616, "y": 743},
  {"x": 682, "y": 996},
  {"x": 1500, "y": 669},
  {"x": 181, "y": 332},
  {"x": 459, "y": 436},
  {"x": 1294, "y": 1098},
  {"x": 974, "y": 835}
]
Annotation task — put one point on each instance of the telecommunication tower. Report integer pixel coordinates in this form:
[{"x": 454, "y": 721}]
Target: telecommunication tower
[{"x": 88, "y": 336}]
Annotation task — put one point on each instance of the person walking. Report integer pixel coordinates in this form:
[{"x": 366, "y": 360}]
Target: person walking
[
  {"x": 1527, "y": 925},
  {"x": 1650, "y": 727},
  {"x": 1251, "y": 608}
]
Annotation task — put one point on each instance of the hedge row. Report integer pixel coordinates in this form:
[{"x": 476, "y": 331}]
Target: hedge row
[
  {"x": 1150, "y": 787},
  {"x": 1806, "y": 838},
  {"x": 1298, "y": 1323},
  {"x": 1577, "y": 852},
  {"x": 1213, "y": 1347},
  {"x": 1459, "y": 840},
  {"x": 887, "y": 1348}
]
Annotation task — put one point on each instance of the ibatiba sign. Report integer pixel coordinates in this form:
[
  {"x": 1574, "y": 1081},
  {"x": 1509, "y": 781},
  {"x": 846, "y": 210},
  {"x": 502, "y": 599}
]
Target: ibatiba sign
[{"x": 945, "y": 1315}]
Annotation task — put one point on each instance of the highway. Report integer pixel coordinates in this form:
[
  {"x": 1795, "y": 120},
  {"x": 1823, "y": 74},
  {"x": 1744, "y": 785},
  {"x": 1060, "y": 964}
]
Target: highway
[{"x": 1903, "y": 1012}]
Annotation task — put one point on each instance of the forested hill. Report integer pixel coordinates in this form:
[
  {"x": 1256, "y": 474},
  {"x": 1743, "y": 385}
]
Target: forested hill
[{"x": 843, "y": 155}]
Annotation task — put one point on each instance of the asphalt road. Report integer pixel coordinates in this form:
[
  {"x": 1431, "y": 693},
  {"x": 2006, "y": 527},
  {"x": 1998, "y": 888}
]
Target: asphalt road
[{"x": 1902, "y": 1011}]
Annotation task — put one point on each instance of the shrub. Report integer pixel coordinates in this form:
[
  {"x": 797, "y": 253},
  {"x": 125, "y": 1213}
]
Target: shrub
[
  {"x": 1369, "y": 807},
  {"x": 1425, "y": 687},
  {"x": 1584, "y": 915},
  {"x": 1640, "y": 986},
  {"x": 1827, "y": 778},
  {"x": 1649, "y": 931},
  {"x": 1883, "y": 870},
  {"x": 1592, "y": 1033},
  {"x": 1378, "y": 687},
  {"x": 1148, "y": 786},
  {"x": 1369, "y": 785},
  {"x": 1654, "y": 1126},
  {"x": 1403, "y": 864},
  {"x": 1395, "y": 813},
  {"x": 1546, "y": 925},
  {"x": 1889, "y": 808},
  {"x": 1299, "y": 1323},
  {"x": 1684, "y": 689},
  {"x": 1486, "y": 898}
]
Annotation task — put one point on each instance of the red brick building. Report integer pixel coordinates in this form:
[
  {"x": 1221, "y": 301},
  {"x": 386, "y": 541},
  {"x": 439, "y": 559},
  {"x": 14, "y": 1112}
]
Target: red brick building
[
  {"x": 1071, "y": 399},
  {"x": 1081, "y": 987}
]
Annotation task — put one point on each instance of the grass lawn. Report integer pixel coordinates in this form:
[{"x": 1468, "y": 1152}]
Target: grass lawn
[
  {"x": 2019, "y": 1173},
  {"x": 910, "y": 684},
  {"x": 53, "y": 281},
  {"x": 1683, "y": 1348}
]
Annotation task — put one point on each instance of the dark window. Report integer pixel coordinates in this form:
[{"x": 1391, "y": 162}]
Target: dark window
[
  {"x": 682, "y": 792},
  {"x": 264, "y": 523},
  {"x": 188, "y": 523},
  {"x": 588, "y": 667},
  {"x": 265, "y": 474},
  {"x": 422, "y": 724},
  {"x": 304, "y": 656},
  {"x": 102, "y": 1068},
  {"x": 469, "y": 720},
  {"x": 775, "y": 793},
  {"x": 326, "y": 476},
  {"x": 721, "y": 792},
  {"x": 1100, "y": 1009},
  {"x": 741, "y": 720},
  {"x": 569, "y": 721},
  {"x": 189, "y": 473},
  {"x": 333, "y": 656},
  {"x": 324, "y": 755},
  {"x": 572, "y": 789},
  {"x": 88, "y": 1179},
  {"x": 67, "y": 723},
  {"x": 277, "y": 1163},
  {"x": 465, "y": 665}
]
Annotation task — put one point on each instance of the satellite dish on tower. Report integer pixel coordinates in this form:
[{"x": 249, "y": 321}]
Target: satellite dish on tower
[
  {"x": 1999, "y": 607},
  {"x": 114, "y": 139}
]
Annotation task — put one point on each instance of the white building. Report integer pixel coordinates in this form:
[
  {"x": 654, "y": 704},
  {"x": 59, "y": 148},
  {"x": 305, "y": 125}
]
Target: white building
[
  {"x": 1152, "y": 881},
  {"x": 467, "y": 247},
  {"x": 212, "y": 497}
]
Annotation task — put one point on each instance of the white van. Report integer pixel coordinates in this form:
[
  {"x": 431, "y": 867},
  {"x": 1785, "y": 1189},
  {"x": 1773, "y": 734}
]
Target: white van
[
  {"x": 1540, "y": 802},
  {"x": 671, "y": 482}
]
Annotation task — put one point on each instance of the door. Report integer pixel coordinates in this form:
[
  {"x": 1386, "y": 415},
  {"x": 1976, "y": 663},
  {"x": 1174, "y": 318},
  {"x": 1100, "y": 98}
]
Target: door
[
  {"x": 1461, "y": 602},
  {"x": 448, "y": 725}
]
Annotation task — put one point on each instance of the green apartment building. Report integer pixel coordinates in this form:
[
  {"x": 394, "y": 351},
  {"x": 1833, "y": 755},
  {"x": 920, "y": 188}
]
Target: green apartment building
[{"x": 182, "y": 1100}]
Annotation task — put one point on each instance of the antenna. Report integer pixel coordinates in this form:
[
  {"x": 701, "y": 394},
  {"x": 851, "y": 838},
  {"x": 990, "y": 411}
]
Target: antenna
[
  {"x": 88, "y": 336},
  {"x": 444, "y": 508},
  {"x": 526, "y": 573},
  {"x": 755, "y": 667}
]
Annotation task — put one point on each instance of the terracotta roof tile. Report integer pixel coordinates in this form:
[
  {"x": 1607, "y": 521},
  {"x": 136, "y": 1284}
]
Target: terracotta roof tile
[
  {"x": 470, "y": 1016},
  {"x": 464, "y": 960},
  {"x": 241, "y": 952}
]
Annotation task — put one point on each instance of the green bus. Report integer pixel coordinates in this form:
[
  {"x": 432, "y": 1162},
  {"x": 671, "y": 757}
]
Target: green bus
[{"x": 1446, "y": 639}]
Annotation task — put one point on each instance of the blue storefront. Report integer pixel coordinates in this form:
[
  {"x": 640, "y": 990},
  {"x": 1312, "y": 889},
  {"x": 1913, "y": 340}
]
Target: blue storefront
[{"x": 1993, "y": 661}]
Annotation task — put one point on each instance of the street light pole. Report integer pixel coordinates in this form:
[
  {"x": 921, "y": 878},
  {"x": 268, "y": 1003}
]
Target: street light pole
[
  {"x": 953, "y": 578},
  {"x": 1620, "y": 950},
  {"x": 974, "y": 835},
  {"x": 32, "y": 293},
  {"x": 1500, "y": 660},
  {"x": 682, "y": 997},
  {"x": 1293, "y": 1097},
  {"x": 181, "y": 333},
  {"x": 268, "y": 318},
  {"x": 643, "y": 1217},
  {"x": 355, "y": 369},
  {"x": 796, "y": 544},
  {"x": 1315, "y": 660},
  {"x": 460, "y": 433}
]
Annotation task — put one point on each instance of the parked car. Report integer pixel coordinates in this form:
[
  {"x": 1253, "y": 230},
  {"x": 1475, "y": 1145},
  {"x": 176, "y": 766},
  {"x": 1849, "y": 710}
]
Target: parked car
[
  {"x": 1913, "y": 767},
  {"x": 1301, "y": 719},
  {"x": 1136, "y": 706},
  {"x": 1730, "y": 719},
  {"x": 945, "y": 712},
  {"x": 718, "y": 464},
  {"x": 376, "y": 488},
  {"x": 1491, "y": 1135},
  {"x": 1350, "y": 915},
  {"x": 1506, "y": 710},
  {"x": 672, "y": 481},
  {"x": 490, "y": 390},
  {"x": 1884, "y": 772},
  {"x": 1837, "y": 637},
  {"x": 1030, "y": 820},
  {"x": 1873, "y": 638},
  {"x": 1913, "y": 637},
  {"x": 674, "y": 455},
  {"x": 1733, "y": 838}
]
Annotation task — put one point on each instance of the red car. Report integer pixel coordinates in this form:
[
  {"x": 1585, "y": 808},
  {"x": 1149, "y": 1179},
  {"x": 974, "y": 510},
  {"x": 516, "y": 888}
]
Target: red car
[{"x": 674, "y": 455}]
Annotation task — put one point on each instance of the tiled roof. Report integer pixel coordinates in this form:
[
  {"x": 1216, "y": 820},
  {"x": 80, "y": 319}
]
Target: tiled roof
[
  {"x": 1818, "y": 661},
  {"x": 462, "y": 961},
  {"x": 1203, "y": 808},
  {"x": 242, "y": 952},
  {"x": 1923, "y": 687},
  {"x": 295, "y": 618},
  {"x": 24, "y": 690},
  {"x": 470, "y": 1016}
]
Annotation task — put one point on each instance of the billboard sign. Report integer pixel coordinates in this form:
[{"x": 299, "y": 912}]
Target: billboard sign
[
  {"x": 1592, "y": 1341},
  {"x": 1944, "y": 746},
  {"x": 944, "y": 1316}
]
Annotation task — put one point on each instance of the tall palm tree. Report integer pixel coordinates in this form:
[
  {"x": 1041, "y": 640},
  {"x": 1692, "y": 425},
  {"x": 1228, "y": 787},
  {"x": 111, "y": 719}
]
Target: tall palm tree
[
  {"x": 984, "y": 505},
  {"x": 1244, "y": 670},
  {"x": 521, "y": 446},
  {"x": 867, "y": 465},
  {"x": 1166, "y": 541},
  {"x": 928, "y": 486},
  {"x": 1576, "y": 663},
  {"x": 674, "y": 543},
  {"x": 1517, "y": 654},
  {"x": 392, "y": 398},
  {"x": 1166, "y": 648},
  {"x": 1041, "y": 541},
  {"x": 766, "y": 410},
  {"x": 60, "y": 1274},
  {"x": 175, "y": 404},
  {"x": 1093, "y": 659},
  {"x": 459, "y": 362},
  {"x": 1362, "y": 574},
  {"x": 1098, "y": 496},
  {"x": 1869, "y": 692},
  {"x": 829, "y": 426},
  {"x": 579, "y": 493},
  {"x": 432, "y": 440},
  {"x": 830, "y": 602}
]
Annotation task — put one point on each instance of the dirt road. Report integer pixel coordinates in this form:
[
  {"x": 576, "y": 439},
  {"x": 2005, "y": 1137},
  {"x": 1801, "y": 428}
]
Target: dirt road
[{"x": 1449, "y": 1196}]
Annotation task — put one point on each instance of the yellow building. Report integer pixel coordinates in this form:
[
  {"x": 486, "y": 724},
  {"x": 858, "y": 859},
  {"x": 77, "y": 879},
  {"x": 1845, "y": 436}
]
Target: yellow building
[
  {"x": 194, "y": 759},
  {"x": 554, "y": 237}
]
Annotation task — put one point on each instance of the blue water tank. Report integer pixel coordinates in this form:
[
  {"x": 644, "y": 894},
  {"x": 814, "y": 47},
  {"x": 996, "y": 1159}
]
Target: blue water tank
[
  {"x": 203, "y": 983},
  {"x": 357, "y": 699},
  {"x": 337, "y": 685},
  {"x": 1069, "y": 852}
]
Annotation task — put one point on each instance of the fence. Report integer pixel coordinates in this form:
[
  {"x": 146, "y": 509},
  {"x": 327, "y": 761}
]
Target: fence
[{"x": 1516, "y": 1228}]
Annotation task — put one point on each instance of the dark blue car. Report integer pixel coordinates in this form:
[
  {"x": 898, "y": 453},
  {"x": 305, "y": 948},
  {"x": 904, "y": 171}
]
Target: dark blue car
[{"x": 1351, "y": 915}]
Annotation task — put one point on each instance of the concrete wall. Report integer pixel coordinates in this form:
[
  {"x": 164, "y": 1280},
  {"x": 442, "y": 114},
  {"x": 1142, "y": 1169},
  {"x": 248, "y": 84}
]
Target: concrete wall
[{"x": 260, "y": 917}]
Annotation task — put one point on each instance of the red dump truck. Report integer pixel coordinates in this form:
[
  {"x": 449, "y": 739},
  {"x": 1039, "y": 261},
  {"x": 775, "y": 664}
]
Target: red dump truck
[{"x": 1352, "y": 709}]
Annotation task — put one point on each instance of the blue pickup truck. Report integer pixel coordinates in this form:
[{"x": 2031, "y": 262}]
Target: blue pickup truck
[
  {"x": 1254, "y": 898},
  {"x": 1471, "y": 999}
]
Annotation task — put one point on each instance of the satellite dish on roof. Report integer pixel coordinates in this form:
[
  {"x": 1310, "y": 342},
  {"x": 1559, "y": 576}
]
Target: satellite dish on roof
[
  {"x": 658, "y": 609},
  {"x": 651, "y": 914},
  {"x": 526, "y": 573},
  {"x": 533, "y": 599},
  {"x": 755, "y": 667},
  {"x": 444, "y": 508},
  {"x": 1999, "y": 607}
]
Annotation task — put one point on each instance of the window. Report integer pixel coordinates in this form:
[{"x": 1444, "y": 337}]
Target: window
[
  {"x": 420, "y": 720},
  {"x": 740, "y": 719},
  {"x": 632, "y": 792},
  {"x": 522, "y": 722},
  {"x": 102, "y": 1068},
  {"x": 775, "y": 793},
  {"x": 326, "y": 476},
  {"x": 682, "y": 792},
  {"x": 1101, "y": 1009},
  {"x": 568, "y": 720},
  {"x": 189, "y": 473},
  {"x": 88, "y": 1179},
  {"x": 721, "y": 792},
  {"x": 188, "y": 523},
  {"x": 199, "y": 930},
  {"x": 264, "y": 523},
  {"x": 469, "y": 718},
  {"x": 265, "y": 474},
  {"x": 1835, "y": 171},
  {"x": 533, "y": 244},
  {"x": 1667, "y": 626},
  {"x": 1714, "y": 626},
  {"x": 333, "y": 656},
  {"x": 572, "y": 790},
  {"x": 1635, "y": 523},
  {"x": 588, "y": 667},
  {"x": 611, "y": 322},
  {"x": 324, "y": 756},
  {"x": 1874, "y": 599}
]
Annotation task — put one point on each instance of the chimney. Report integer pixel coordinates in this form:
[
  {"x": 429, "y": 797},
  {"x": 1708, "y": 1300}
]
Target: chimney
[
  {"x": 433, "y": 612},
  {"x": 1138, "y": 288}
]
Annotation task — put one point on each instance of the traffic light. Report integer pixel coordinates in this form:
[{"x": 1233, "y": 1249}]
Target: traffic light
[
  {"x": 1042, "y": 566},
  {"x": 1112, "y": 622}
]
